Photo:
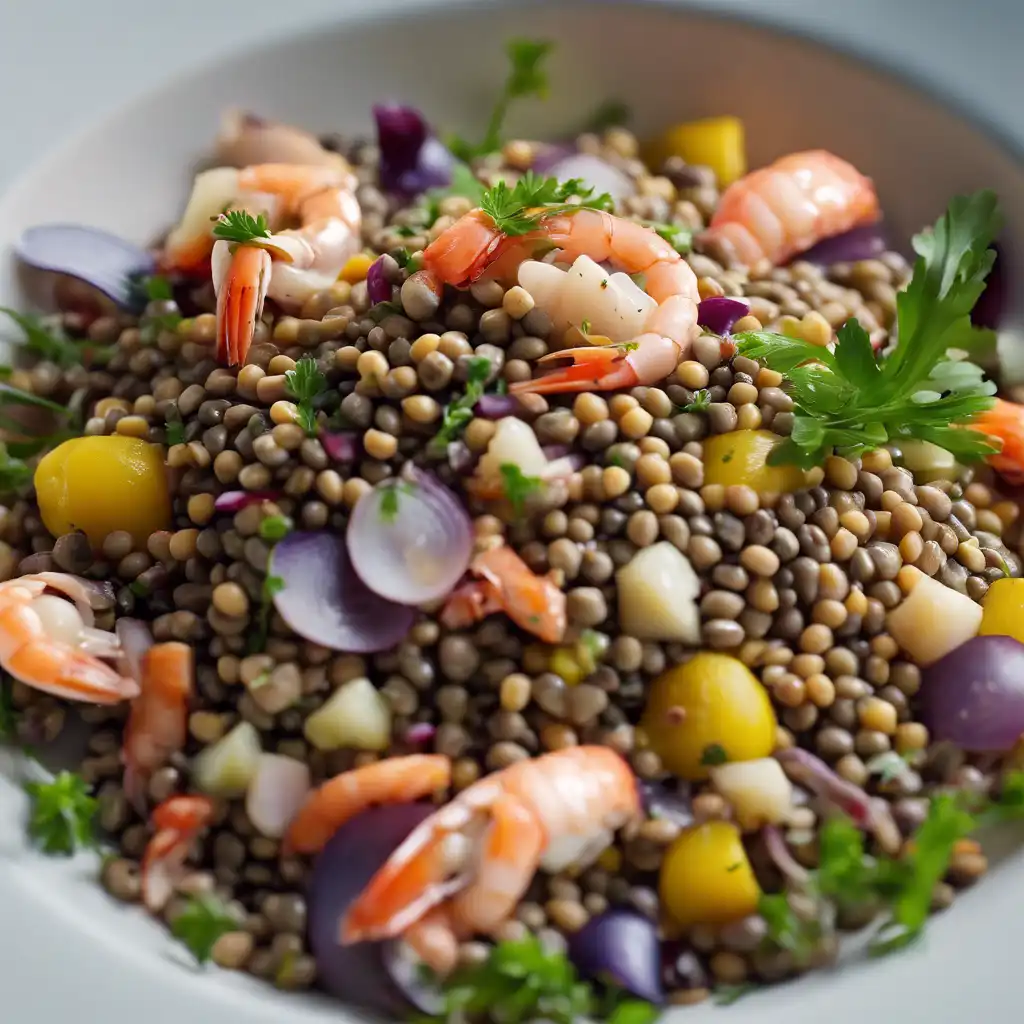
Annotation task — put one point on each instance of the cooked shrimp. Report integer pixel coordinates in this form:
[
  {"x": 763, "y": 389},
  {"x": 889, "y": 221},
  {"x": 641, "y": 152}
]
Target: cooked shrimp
[
  {"x": 395, "y": 780},
  {"x": 1005, "y": 423},
  {"x": 532, "y": 602},
  {"x": 245, "y": 139},
  {"x": 292, "y": 264},
  {"x": 476, "y": 856},
  {"x": 46, "y": 644},
  {"x": 472, "y": 246},
  {"x": 177, "y": 822},
  {"x": 158, "y": 723},
  {"x": 781, "y": 210}
]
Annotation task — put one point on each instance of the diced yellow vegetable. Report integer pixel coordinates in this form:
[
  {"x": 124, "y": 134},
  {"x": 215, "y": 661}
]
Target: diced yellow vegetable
[
  {"x": 1003, "y": 610},
  {"x": 711, "y": 710},
  {"x": 356, "y": 268},
  {"x": 741, "y": 457},
  {"x": 102, "y": 484},
  {"x": 716, "y": 142},
  {"x": 706, "y": 877},
  {"x": 358, "y": 716},
  {"x": 226, "y": 767},
  {"x": 760, "y": 791},
  {"x": 932, "y": 620},
  {"x": 657, "y": 595}
]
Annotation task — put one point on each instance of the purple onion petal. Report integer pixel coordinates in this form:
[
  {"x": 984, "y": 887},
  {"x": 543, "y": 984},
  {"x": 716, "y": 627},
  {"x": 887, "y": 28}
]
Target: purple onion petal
[
  {"x": 777, "y": 849},
  {"x": 718, "y": 314},
  {"x": 235, "y": 501},
  {"x": 340, "y": 447},
  {"x": 420, "y": 733},
  {"x": 377, "y": 285},
  {"x": 866, "y": 242},
  {"x": 497, "y": 407},
  {"x": 620, "y": 946},
  {"x": 98, "y": 258},
  {"x": 596, "y": 173},
  {"x": 411, "y": 160},
  {"x": 460, "y": 458},
  {"x": 551, "y": 153}
]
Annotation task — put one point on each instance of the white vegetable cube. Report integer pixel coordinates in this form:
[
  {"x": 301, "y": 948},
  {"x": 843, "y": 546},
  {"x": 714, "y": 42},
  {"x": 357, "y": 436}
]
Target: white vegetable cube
[
  {"x": 933, "y": 620},
  {"x": 357, "y": 715},
  {"x": 759, "y": 791},
  {"x": 226, "y": 768},
  {"x": 277, "y": 791},
  {"x": 657, "y": 595}
]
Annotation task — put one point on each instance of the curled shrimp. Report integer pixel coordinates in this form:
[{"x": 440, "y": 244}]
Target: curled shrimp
[
  {"x": 663, "y": 334},
  {"x": 464, "y": 870},
  {"x": 158, "y": 722},
  {"x": 394, "y": 780},
  {"x": 507, "y": 584},
  {"x": 177, "y": 823},
  {"x": 46, "y": 643},
  {"x": 781, "y": 210},
  {"x": 290, "y": 265}
]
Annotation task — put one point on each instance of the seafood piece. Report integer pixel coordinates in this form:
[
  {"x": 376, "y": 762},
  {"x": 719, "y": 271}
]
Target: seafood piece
[
  {"x": 395, "y": 780},
  {"x": 779, "y": 211},
  {"x": 158, "y": 723},
  {"x": 468, "y": 865},
  {"x": 534, "y": 603},
  {"x": 1005, "y": 423},
  {"x": 177, "y": 822},
  {"x": 245, "y": 139},
  {"x": 46, "y": 644},
  {"x": 289, "y": 266}
]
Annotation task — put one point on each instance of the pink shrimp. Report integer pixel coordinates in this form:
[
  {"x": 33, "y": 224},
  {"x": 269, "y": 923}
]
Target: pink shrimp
[
  {"x": 464, "y": 870},
  {"x": 781, "y": 210},
  {"x": 290, "y": 265},
  {"x": 532, "y": 602},
  {"x": 473, "y": 246},
  {"x": 47, "y": 642},
  {"x": 395, "y": 780},
  {"x": 158, "y": 723},
  {"x": 177, "y": 823}
]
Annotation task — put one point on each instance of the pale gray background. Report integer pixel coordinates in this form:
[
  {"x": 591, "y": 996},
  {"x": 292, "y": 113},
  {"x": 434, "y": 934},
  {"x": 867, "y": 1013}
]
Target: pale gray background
[{"x": 73, "y": 60}]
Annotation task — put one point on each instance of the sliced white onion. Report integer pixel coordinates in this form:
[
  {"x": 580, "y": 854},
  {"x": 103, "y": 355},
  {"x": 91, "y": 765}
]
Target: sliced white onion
[
  {"x": 410, "y": 541},
  {"x": 276, "y": 792},
  {"x": 598, "y": 174},
  {"x": 513, "y": 443}
]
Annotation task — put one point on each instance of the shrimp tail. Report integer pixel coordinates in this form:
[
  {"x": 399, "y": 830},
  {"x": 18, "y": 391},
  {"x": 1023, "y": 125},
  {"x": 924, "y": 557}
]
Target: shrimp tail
[
  {"x": 62, "y": 671},
  {"x": 241, "y": 293},
  {"x": 603, "y": 369},
  {"x": 178, "y": 820}
]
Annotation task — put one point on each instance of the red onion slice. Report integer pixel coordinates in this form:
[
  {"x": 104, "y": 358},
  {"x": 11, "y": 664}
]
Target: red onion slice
[
  {"x": 377, "y": 285},
  {"x": 497, "y": 407},
  {"x": 235, "y": 501},
  {"x": 866, "y": 242},
  {"x": 410, "y": 541},
  {"x": 340, "y": 447},
  {"x": 719, "y": 313},
  {"x": 323, "y": 600}
]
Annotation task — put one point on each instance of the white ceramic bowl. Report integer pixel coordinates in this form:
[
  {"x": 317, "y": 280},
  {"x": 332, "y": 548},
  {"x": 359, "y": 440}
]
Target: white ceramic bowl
[{"x": 62, "y": 941}]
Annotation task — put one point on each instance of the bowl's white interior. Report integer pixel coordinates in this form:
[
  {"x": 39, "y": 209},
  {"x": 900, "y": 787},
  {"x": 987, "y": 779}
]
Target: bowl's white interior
[{"x": 130, "y": 174}]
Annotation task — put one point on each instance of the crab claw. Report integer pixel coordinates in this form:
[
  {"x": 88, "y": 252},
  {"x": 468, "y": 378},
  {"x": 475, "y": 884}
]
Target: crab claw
[
  {"x": 588, "y": 369},
  {"x": 241, "y": 278}
]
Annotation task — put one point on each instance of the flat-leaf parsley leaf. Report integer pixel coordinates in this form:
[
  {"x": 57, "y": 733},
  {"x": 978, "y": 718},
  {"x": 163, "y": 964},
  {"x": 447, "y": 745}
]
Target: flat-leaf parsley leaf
[
  {"x": 63, "y": 815},
  {"x": 201, "y": 922},
  {"x": 240, "y": 227},
  {"x": 520, "y": 209}
]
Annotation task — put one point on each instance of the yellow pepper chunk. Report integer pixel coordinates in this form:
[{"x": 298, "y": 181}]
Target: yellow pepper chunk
[
  {"x": 741, "y": 457},
  {"x": 716, "y": 142},
  {"x": 356, "y": 268},
  {"x": 102, "y": 484},
  {"x": 707, "y": 711},
  {"x": 706, "y": 877},
  {"x": 1002, "y": 610}
]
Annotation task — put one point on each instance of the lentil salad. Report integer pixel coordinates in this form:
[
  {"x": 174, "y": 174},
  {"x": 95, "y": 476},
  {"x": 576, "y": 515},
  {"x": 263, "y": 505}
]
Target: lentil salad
[{"x": 386, "y": 533}]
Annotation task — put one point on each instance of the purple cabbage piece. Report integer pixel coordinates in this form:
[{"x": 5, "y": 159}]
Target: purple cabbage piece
[
  {"x": 718, "y": 314},
  {"x": 866, "y": 242},
  {"x": 412, "y": 160},
  {"x": 377, "y": 286}
]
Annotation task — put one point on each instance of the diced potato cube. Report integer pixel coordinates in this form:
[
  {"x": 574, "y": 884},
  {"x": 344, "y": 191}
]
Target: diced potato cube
[
  {"x": 657, "y": 595},
  {"x": 226, "y": 768},
  {"x": 357, "y": 715},
  {"x": 759, "y": 791},
  {"x": 932, "y": 620}
]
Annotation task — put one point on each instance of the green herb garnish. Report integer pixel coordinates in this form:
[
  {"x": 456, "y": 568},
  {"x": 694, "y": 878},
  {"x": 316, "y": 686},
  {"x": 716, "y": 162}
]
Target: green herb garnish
[
  {"x": 887, "y": 766},
  {"x": 700, "y": 403},
  {"x": 518, "y": 487},
  {"x": 271, "y": 585},
  {"x": 520, "y": 209},
  {"x": 174, "y": 429},
  {"x": 240, "y": 227},
  {"x": 714, "y": 754},
  {"x": 786, "y": 929},
  {"x": 389, "y": 499},
  {"x": 459, "y": 411},
  {"x": 62, "y": 820},
  {"x": 680, "y": 238},
  {"x": 275, "y": 528},
  {"x": 526, "y": 78},
  {"x": 157, "y": 288},
  {"x": 48, "y": 343},
  {"x": 304, "y": 384},
  {"x": 847, "y": 401},
  {"x": 201, "y": 923}
]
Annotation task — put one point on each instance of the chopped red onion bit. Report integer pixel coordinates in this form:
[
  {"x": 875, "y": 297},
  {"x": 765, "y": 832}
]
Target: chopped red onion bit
[{"x": 235, "y": 501}]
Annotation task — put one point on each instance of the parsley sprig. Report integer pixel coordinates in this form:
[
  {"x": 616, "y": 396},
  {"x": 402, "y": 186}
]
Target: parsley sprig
[
  {"x": 518, "y": 486},
  {"x": 240, "y": 227},
  {"x": 520, "y": 209},
  {"x": 526, "y": 78},
  {"x": 521, "y": 981},
  {"x": 847, "y": 401},
  {"x": 62, "y": 820},
  {"x": 201, "y": 923},
  {"x": 459, "y": 411},
  {"x": 304, "y": 384},
  {"x": 15, "y": 473}
]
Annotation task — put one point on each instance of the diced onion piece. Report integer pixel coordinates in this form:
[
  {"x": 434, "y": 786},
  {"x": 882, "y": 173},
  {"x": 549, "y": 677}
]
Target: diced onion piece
[
  {"x": 657, "y": 595},
  {"x": 933, "y": 620},
  {"x": 596, "y": 173},
  {"x": 226, "y": 768},
  {"x": 277, "y": 791},
  {"x": 928, "y": 461},
  {"x": 358, "y": 716},
  {"x": 759, "y": 791},
  {"x": 513, "y": 443}
]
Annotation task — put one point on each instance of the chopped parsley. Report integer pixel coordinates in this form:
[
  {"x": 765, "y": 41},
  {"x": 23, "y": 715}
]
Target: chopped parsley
[
  {"x": 518, "y": 487},
  {"x": 305, "y": 383},
  {"x": 63, "y": 815},
  {"x": 201, "y": 923},
  {"x": 887, "y": 766},
  {"x": 847, "y": 401},
  {"x": 240, "y": 227},
  {"x": 520, "y": 209},
  {"x": 714, "y": 754},
  {"x": 389, "y": 499},
  {"x": 174, "y": 429},
  {"x": 700, "y": 403},
  {"x": 680, "y": 238},
  {"x": 459, "y": 411},
  {"x": 275, "y": 528}
]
